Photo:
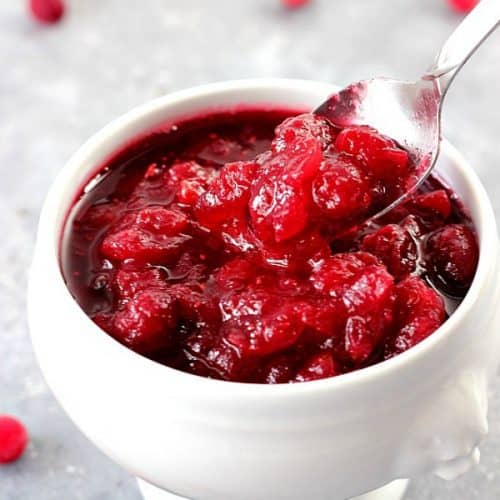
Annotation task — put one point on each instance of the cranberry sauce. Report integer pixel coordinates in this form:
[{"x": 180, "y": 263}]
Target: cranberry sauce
[{"x": 225, "y": 248}]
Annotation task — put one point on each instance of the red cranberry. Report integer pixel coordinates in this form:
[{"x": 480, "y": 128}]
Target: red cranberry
[
  {"x": 272, "y": 333},
  {"x": 420, "y": 311},
  {"x": 47, "y": 11},
  {"x": 128, "y": 283},
  {"x": 341, "y": 190},
  {"x": 196, "y": 307},
  {"x": 99, "y": 216},
  {"x": 153, "y": 234},
  {"x": 279, "y": 370},
  {"x": 379, "y": 154},
  {"x": 147, "y": 321},
  {"x": 13, "y": 439},
  {"x": 235, "y": 274},
  {"x": 317, "y": 367},
  {"x": 298, "y": 133},
  {"x": 140, "y": 245},
  {"x": 295, "y": 4},
  {"x": 162, "y": 221},
  {"x": 278, "y": 209},
  {"x": 369, "y": 302},
  {"x": 435, "y": 204},
  {"x": 238, "y": 235},
  {"x": 338, "y": 272},
  {"x": 463, "y": 5},
  {"x": 394, "y": 246},
  {"x": 297, "y": 255},
  {"x": 190, "y": 180},
  {"x": 227, "y": 196},
  {"x": 324, "y": 318},
  {"x": 257, "y": 322},
  {"x": 451, "y": 257}
]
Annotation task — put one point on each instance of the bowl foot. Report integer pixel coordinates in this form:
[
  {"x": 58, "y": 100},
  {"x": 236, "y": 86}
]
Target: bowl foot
[
  {"x": 392, "y": 491},
  {"x": 150, "y": 492}
]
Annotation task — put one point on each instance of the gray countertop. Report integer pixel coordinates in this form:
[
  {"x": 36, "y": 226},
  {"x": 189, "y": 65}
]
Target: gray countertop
[{"x": 59, "y": 84}]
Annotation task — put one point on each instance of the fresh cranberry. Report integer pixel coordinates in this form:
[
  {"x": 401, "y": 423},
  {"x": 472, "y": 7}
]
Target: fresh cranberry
[
  {"x": 451, "y": 257},
  {"x": 295, "y": 4},
  {"x": 47, "y": 11},
  {"x": 463, "y": 5},
  {"x": 13, "y": 439}
]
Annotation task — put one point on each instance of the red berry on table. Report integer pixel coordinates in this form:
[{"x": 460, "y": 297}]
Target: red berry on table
[
  {"x": 463, "y": 5},
  {"x": 13, "y": 439},
  {"x": 294, "y": 4},
  {"x": 47, "y": 11}
]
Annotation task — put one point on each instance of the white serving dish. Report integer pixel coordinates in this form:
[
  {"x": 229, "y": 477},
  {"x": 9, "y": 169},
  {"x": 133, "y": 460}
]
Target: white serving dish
[{"x": 425, "y": 410}]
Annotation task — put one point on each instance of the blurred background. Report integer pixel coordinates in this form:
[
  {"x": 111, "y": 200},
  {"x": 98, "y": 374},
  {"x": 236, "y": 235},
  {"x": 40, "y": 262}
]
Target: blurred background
[{"x": 60, "y": 83}]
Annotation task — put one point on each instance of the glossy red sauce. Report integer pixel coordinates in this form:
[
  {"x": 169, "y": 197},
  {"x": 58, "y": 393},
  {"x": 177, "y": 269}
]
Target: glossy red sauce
[{"x": 225, "y": 248}]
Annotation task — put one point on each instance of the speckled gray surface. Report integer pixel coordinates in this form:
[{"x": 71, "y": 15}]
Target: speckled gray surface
[{"x": 59, "y": 84}]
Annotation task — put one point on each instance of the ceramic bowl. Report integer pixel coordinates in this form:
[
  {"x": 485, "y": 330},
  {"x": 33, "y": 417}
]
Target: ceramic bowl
[{"x": 422, "y": 411}]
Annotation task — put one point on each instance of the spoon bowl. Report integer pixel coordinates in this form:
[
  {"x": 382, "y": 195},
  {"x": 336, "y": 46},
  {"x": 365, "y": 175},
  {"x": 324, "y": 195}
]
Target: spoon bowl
[{"x": 407, "y": 112}]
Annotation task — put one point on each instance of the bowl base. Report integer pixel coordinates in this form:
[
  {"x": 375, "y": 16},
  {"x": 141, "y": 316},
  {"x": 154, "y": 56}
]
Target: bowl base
[{"x": 391, "y": 491}]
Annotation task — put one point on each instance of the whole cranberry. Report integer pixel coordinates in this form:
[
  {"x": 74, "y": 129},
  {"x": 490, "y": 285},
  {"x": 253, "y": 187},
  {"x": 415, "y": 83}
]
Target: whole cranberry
[
  {"x": 13, "y": 439},
  {"x": 294, "y": 4},
  {"x": 451, "y": 257},
  {"x": 463, "y": 5},
  {"x": 47, "y": 11}
]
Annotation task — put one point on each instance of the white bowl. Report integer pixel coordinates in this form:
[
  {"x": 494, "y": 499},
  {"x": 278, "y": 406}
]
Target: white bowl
[{"x": 422, "y": 411}]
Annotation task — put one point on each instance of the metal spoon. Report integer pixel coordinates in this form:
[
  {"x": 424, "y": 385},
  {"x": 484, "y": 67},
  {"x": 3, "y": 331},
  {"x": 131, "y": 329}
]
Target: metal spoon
[{"x": 410, "y": 112}]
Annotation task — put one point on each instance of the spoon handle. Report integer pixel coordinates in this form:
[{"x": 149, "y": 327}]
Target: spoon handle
[{"x": 463, "y": 42}]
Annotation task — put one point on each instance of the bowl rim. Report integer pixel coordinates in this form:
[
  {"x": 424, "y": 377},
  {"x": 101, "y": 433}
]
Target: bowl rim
[{"x": 49, "y": 232}]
